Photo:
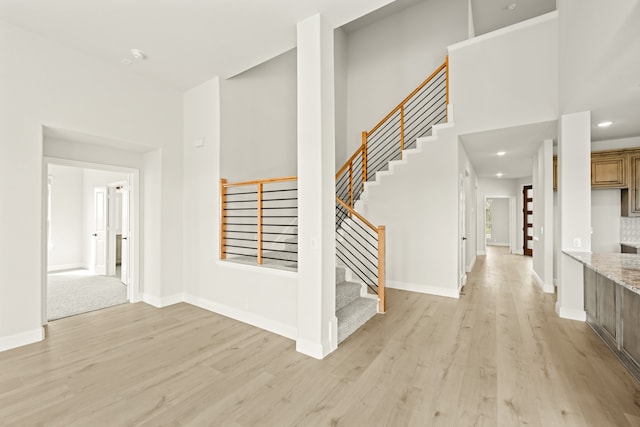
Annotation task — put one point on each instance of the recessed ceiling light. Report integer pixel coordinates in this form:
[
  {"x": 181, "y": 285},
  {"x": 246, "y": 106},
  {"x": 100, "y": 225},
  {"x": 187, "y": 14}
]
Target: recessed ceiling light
[
  {"x": 501, "y": 153},
  {"x": 511, "y": 6},
  {"x": 138, "y": 54},
  {"x": 605, "y": 124},
  {"x": 499, "y": 174}
]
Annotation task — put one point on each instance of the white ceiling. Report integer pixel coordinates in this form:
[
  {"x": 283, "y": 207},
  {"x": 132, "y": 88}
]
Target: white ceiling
[
  {"x": 520, "y": 144},
  {"x": 187, "y": 41},
  {"x": 489, "y": 15},
  {"x": 190, "y": 41}
]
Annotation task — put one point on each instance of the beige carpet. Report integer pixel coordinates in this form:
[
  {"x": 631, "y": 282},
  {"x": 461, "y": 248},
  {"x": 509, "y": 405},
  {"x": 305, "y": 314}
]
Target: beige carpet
[{"x": 78, "y": 291}]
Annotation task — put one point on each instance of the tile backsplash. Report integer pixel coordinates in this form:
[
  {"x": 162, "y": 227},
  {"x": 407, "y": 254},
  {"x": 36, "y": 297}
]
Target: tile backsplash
[{"x": 629, "y": 229}]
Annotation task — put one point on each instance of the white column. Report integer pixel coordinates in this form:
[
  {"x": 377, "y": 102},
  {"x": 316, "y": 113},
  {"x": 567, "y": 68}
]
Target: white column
[
  {"x": 574, "y": 201},
  {"x": 317, "y": 323}
]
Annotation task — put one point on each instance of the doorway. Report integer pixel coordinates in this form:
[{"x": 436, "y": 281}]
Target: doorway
[
  {"x": 499, "y": 215},
  {"x": 90, "y": 209},
  {"x": 527, "y": 212}
]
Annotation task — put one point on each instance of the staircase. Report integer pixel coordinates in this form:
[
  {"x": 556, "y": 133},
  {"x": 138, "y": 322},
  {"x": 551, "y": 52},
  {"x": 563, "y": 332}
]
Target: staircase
[
  {"x": 360, "y": 246},
  {"x": 259, "y": 218}
]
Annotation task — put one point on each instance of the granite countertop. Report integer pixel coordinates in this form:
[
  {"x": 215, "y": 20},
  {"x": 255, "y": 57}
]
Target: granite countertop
[{"x": 623, "y": 269}]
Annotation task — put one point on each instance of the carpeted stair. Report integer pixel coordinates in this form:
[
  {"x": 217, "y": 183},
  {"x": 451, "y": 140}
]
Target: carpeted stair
[{"x": 352, "y": 309}]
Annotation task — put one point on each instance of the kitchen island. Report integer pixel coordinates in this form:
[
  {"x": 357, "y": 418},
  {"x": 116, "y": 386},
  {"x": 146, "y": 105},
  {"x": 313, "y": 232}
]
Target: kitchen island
[{"x": 612, "y": 302}]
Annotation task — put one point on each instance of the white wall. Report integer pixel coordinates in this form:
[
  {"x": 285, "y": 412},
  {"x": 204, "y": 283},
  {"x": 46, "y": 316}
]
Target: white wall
[
  {"x": 507, "y": 77},
  {"x": 605, "y": 220},
  {"x": 258, "y": 121},
  {"x": 65, "y": 250},
  {"x": 499, "y": 222},
  {"x": 390, "y": 57},
  {"x": 422, "y": 242},
  {"x": 471, "y": 194},
  {"x": 263, "y": 297},
  {"x": 340, "y": 80},
  {"x": 44, "y": 83},
  {"x": 543, "y": 231},
  {"x": 490, "y": 187}
]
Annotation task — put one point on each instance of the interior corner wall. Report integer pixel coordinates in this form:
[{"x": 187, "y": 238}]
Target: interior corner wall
[
  {"x": 340, "y": 82},
  {"x": 65, "y": 249},
  {"x": 605, "y": 220},
  {"x": 258, "y": 121},
  {"x": 543, "y": 230},
  {"x": 390, "y": 57},
  {"x": 422, "y": 244},
  {"x": 263, "y": 297},
  {"x": 506, "y": 77},
  {"x": 45, "y": 83}
]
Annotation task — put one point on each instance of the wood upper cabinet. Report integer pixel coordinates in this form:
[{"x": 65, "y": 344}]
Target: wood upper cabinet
[
  {"x": 630, "y": 197},
  {"x": 608, "y": 170}
]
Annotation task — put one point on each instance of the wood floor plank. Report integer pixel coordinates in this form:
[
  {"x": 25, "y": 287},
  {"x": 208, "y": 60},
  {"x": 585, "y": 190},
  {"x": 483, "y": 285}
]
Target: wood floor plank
[{"x": 498, "y": 356}]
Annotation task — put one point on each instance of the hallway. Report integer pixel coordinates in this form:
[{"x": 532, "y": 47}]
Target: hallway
[{"x": 498, "y": 356}]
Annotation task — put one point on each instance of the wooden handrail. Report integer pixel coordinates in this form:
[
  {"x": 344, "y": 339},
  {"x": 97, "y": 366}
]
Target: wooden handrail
[
  {"x": 353, "y": 212},
  {"x": 260, "y": 181},
  {"x": 223, "y": 219},
  {"x": 404, "y": 101},
  {"x": 348, "y": 162}
]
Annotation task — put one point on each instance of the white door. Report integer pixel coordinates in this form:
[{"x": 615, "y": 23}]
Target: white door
[
  {"x": 462, "y": 269},
  {"x": 126, "y": 235},
  {"x": 100, "y": 211}
]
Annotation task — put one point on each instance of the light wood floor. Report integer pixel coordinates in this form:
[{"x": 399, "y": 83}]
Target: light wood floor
[{"x": 499, "y": 356}]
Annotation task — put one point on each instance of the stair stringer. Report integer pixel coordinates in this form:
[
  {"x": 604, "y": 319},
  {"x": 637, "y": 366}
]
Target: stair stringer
[{"x": 417, "y": 200}]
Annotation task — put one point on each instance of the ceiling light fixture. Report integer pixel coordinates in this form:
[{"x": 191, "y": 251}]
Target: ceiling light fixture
[
  {"x": 138, "y": 54},
  {"x": 499, "y": 174},
  {"x": 501, "y": 153},
  {"x": 605, "y": 124}
]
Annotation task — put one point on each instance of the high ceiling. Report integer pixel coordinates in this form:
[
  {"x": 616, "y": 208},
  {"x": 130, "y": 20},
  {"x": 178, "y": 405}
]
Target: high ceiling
[
  {"x": 187, "y": 41},
  {"x": 190, "y": 41}
]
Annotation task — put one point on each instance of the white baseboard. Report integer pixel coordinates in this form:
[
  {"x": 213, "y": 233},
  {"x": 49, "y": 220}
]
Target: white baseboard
[
  {"x": 546, "y": 288},
  {"x": 424, "y": 289},
  {"x": 497, "y": 244},
  {"x": 470, "y": 267},
  {"x": 253, "y": 319},
  {"x": 480, "y": 253},
  {"x": 164, "y": 301},
  {"x": 519, "y": 252},
  {"x": 570, "y": 313},
  {"x": 311, "y": 348},
  {"x": 23, "y": 338},
  {"x": 62, "y": 267}
]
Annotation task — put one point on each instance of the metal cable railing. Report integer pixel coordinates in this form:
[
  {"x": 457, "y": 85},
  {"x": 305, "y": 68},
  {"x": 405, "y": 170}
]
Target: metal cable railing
[
  {"x": 360, "y": 246},
  {"x": 259, "y": 221},
  {"x": 414, "y": 117}
]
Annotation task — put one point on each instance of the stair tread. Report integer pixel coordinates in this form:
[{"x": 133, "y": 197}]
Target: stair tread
[
  {"x": 354, "y": 315},
  {"x": 345, "y": 293}
]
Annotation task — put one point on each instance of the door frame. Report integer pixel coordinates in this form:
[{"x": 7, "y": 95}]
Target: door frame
[
  {"x": 512, "y": 223},
  {"x": 133, "y": 176}
]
